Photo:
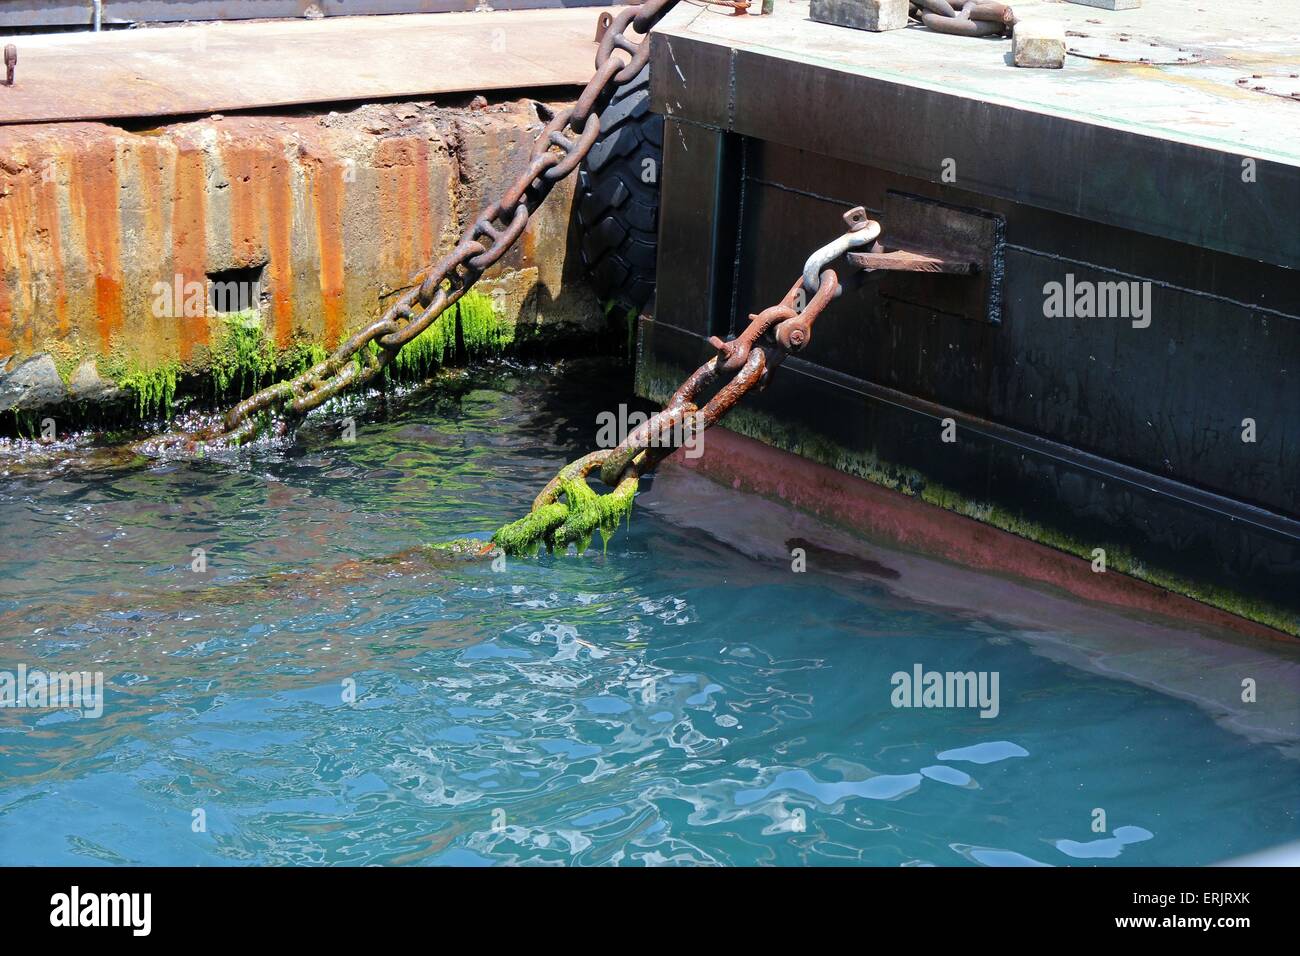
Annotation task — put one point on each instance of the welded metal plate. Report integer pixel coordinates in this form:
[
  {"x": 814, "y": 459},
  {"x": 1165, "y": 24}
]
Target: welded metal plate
[
  {"x": 1274, "y": 84},
  {"x": 1124, "y": 48},
  {"x": 222, "y": 67},
  {"x": 955, "y": 233}
]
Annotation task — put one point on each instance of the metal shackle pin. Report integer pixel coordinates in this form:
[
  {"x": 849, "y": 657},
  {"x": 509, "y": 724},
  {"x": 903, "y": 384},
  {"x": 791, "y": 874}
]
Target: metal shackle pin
[{"x": 11, "y": 63}]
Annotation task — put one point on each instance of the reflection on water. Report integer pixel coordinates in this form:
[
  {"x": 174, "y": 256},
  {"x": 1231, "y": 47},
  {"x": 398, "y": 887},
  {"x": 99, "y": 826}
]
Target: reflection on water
[{"x": 312, "y": 699}]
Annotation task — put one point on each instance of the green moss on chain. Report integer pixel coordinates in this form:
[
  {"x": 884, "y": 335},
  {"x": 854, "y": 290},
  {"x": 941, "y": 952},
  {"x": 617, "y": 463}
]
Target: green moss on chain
[
  {"x": 572, "y": 521},
  {"x": 590, "y": 512},
  {"x": 523, "y": 536}
]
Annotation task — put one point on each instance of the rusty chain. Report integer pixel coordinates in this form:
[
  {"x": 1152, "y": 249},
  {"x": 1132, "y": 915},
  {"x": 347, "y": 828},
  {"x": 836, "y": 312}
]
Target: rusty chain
[
  {"x": 558, "y": 150},
  {"x": 750, "y": 358},
  {"x": 968, "y": 18}
]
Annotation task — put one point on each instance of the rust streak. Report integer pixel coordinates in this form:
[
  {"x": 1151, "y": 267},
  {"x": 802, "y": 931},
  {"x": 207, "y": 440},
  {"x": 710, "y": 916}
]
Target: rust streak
[
  {"x": 248, "y": 196},
  {"x": 49, "y": 227},
  {"x": 94, "y": 200},
  {"x": 327, "y": 194},
  {"x": 396, "y": 175},
  {"x": 279, "y": 267},
  {"x": 189, "y": 241}
]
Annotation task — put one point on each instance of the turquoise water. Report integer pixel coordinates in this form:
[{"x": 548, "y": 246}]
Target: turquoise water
[{"x": 670, "y": 701}]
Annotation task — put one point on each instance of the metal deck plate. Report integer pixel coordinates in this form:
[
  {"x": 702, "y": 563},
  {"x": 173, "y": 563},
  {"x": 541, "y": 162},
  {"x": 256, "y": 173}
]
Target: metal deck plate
[
  {"x": 1180, "y": 151},
  {"x": 1195, "y": 103}
]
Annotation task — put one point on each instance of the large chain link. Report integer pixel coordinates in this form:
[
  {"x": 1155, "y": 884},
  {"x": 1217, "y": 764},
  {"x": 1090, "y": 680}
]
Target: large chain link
[
  {"x": 968, "y": 18},
  {"x": 558, "y": 150}
]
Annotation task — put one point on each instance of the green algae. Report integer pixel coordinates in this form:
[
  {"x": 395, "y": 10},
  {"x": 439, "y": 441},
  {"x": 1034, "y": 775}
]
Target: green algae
[
  {"x": 242, "y": 355},
  {"x": 522, "y": 537},
  {"x": 481, "y": 327},
  {"x": 572, "y": 521},
  {"x": 154, "y": 389},
  {"x": 473, "y": 324},
  {"x": 657, "y": 382}
]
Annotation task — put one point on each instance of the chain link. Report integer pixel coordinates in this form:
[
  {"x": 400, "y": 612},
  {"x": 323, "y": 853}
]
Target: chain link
[{"x": 969, "y": 18}]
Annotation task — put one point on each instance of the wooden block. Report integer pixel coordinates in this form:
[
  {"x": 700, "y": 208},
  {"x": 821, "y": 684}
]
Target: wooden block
[
  {"x": 1039, "y": 44},
  {"x": 874, "y": 15}
]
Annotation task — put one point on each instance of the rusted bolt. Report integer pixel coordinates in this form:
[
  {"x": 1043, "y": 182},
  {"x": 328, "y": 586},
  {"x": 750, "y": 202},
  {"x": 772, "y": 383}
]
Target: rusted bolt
[
  {"x": 856, "y": 219},
  {"x": 11, "y": 63}
]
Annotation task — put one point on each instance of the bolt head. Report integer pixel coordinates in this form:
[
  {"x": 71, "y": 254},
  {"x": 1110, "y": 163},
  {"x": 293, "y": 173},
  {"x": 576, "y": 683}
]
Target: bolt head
[{"x": 856, "y": 218}]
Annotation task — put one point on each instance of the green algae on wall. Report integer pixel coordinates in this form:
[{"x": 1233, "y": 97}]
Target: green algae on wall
[
  {"x": 242, "y": 355},
  {"x": 154, "y": 389},
  {"x": 657, "y": 382},
  {"x": 483, "y": 333}
]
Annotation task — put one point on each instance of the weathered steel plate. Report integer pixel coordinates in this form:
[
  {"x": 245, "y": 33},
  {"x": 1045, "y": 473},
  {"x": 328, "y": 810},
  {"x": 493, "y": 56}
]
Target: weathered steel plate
[
  {"x": 1123, "y": 48},
  {"x": 1274, "y": 84},
  {"x": 216, "y": 67},
  {"x": 965, "y": 234}
]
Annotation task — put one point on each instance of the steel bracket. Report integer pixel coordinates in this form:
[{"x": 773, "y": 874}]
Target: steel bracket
[{"x": 922, "y": 238}]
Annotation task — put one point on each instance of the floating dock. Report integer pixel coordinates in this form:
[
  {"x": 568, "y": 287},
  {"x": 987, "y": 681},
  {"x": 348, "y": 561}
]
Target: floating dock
[{"x": 1161, "y": 165}]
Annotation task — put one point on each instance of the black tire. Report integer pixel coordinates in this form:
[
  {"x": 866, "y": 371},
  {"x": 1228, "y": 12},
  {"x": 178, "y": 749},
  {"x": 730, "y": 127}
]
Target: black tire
[{"x": 617, "y": 208}]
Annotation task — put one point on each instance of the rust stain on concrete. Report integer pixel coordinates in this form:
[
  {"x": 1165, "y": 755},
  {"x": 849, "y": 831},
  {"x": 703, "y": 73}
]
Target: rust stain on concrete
[
  {"x": 15, "y": 254},
  {"x": 249, "y": 193},
  {"x": 94, "y": 200},
  {"x": 327, "y": 196},
  {"x": 189, "y": 240},
  {"x": 404, "y": 201},
  {"x": 48, "y": 250}
]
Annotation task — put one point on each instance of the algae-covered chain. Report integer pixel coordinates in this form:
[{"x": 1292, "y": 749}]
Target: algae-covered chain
[
  {"x": 754, "y": 355},
  {"x": 560, "y": 148}
]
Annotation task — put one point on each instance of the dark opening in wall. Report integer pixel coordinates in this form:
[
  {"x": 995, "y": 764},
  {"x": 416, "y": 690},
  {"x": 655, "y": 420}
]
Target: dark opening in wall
[{"x": 234, "y": 290}]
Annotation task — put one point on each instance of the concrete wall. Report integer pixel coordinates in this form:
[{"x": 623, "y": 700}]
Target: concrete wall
[{"x": 330, "y": 215}]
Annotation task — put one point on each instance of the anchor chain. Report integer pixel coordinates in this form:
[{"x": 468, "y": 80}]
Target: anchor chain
[
  {"x": 750, "y": 359},
  {"x": 558, "y": 150},
  {"x": 968, "y": 18}
]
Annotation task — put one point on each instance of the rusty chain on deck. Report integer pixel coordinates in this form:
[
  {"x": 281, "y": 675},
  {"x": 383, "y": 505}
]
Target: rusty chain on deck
[
  {"x": 968, "y": 18},
  {"x": 558, "y": 151}
]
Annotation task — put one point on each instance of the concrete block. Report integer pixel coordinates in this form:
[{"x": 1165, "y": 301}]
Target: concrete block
[
  {"x": 1039, "y": 43},
  {"x": 874, "y": 15},
  {"x": 1109, "y": 4}
]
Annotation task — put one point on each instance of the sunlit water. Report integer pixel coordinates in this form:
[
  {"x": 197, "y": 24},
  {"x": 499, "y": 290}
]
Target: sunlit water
[{"x": 670, "y": 701}]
